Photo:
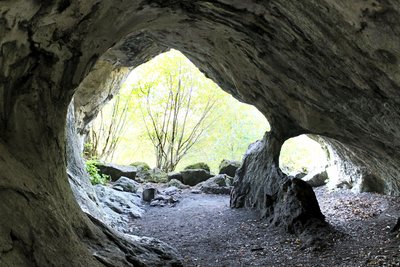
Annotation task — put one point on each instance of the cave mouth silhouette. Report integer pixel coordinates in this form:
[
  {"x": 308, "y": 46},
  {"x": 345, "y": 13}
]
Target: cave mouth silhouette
[
  {"x": 283, "y": 58},
  {"x": 302, "y": 154},
  {"x": 179, "y": 94}
]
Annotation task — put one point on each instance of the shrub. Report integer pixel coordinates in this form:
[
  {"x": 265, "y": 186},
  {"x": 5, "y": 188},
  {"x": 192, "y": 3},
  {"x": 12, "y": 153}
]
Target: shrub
[{"x": 95, "y": 176}]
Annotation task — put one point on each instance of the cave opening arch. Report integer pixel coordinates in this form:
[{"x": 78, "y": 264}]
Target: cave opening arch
[
  {"x": 294, "y": 76},
  {"x": 174, "y": 86}
]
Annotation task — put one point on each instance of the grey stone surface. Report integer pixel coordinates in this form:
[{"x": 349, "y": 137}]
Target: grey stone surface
[
  {"x": 260, "y": 184},
  {"x": 172, "y": 190},
  {"x": 119, "y": 207},
  {"x": 127, "y": 185},
  {"x": 229, "y": 167},
  {"x": 117, "y": 171},
  {"x": 177, "y": 184},
  {"x": 175, "y": 176},
  {"x": 220, "y": 184},
  {"x": 316, "y": 178},
  {"x": 284, "y": 57},
  {"x": 149, "y": 194},
  {"x": 78, "y": 178},
  {"x": 194, "y": 176},
  {"x": 296, "y": 206}
]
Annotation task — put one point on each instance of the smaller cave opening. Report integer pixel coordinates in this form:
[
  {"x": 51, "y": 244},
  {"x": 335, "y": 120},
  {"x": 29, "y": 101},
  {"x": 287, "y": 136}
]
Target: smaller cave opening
[{"x": 302, "y": 155}]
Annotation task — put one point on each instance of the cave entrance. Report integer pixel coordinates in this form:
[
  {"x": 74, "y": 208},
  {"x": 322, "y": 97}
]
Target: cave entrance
[
  {"x": 303, "y": 155},
  {"x": 167, "y": 115}
]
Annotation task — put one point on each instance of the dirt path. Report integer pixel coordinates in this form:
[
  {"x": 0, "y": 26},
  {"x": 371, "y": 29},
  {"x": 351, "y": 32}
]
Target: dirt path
[{"x": 208, "y": 233}]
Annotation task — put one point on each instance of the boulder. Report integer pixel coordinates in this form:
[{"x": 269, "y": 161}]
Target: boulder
[
  {"x": 157, "y": 176},
  {"x": 260, "y": 183},
  {"x": 229, "y": 167},
  {"x": 194, "y": 176},
  {"x": 149, "y": 194},
  {"x": 177, "y": 183},
  {"x": 163, "y": 200},
  {"x": 140, "y": 166},
  {"x": 174, "y": 175},
  {"x": 143, "y": 176},
  {"x": 220, "y": 184},
  {"x": 149, "y": 251},
  {"x": 119, "y": 207},
  {"x": 300, "y": 175},
  {"x": 172, "y": 190},
  {"x": 142, "y": 171},
  {"x": 117, "y": 171},
  {"x": 153, "y": 175},
  {"x": 296, "y": 206},
  {"x": 125, "y": 184},
  {"x": 199, "y": 165},
  {"x": 316, "y": 178}
]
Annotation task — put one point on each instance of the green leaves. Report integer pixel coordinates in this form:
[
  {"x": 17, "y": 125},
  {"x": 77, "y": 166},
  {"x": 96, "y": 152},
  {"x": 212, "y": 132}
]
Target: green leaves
[
  {"x": 95, "y": 176},
  {"x": 169, "y": 84}
]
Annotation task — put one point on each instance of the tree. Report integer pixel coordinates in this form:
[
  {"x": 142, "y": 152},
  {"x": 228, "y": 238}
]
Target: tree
[
  {"x": 174, "y": 121},
  {"x": 105, "y": 132},
  {"x": 153, "y": 90}
]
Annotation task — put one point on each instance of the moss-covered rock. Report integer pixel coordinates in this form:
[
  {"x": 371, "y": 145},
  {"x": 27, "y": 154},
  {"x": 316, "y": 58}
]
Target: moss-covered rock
[
  {"x": 177, "y": 184},
  {"x": 229, "y": 167},
  {"x": 157, "y": 176},
  {"x": 141, "y": 166},
  {"x": 199, "y": 165}
]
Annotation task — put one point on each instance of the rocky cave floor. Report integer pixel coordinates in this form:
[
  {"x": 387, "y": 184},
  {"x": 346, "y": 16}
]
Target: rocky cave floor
[{"x": 206, "y": 232}]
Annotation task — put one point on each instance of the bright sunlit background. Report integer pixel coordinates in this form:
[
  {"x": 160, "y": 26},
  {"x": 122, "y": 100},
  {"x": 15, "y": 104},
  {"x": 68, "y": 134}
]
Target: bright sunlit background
[{"x": 228, "y": 129}]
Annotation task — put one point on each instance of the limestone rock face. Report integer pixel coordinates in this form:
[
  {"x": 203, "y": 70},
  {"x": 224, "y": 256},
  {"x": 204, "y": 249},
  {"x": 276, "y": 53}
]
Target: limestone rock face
[
  {"x": 119, "y": 207},
  {"x": 284, "y": 201},
  {"x": 325, "y": 67},
  {"x": 296, "y": 206}
]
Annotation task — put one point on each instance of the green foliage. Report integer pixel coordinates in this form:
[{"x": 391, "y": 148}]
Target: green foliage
[
  {"x": 175, "y": 111},
  {"x": 95, "y": 176},
  {"x": 301, "y": 154},
  {"x": 88, "y": 150},
  {"x": 229, "y": 130}
]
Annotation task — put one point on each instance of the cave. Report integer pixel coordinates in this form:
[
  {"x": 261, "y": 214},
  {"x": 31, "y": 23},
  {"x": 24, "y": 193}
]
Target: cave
[{"x": 327, "y": 68}]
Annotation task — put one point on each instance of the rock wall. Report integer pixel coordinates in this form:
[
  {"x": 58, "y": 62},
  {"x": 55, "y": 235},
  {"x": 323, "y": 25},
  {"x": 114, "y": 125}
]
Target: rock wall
[
  {"x": 98, "y": 87},
  {"x": 260, "y": 184},
  {"x": 326, "y": 67}
]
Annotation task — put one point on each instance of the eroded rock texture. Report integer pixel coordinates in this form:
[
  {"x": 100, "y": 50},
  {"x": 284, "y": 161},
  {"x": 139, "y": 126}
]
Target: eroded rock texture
[
  {"x": 260, "y": 184},
  {"x": 322, "y": 67}
]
